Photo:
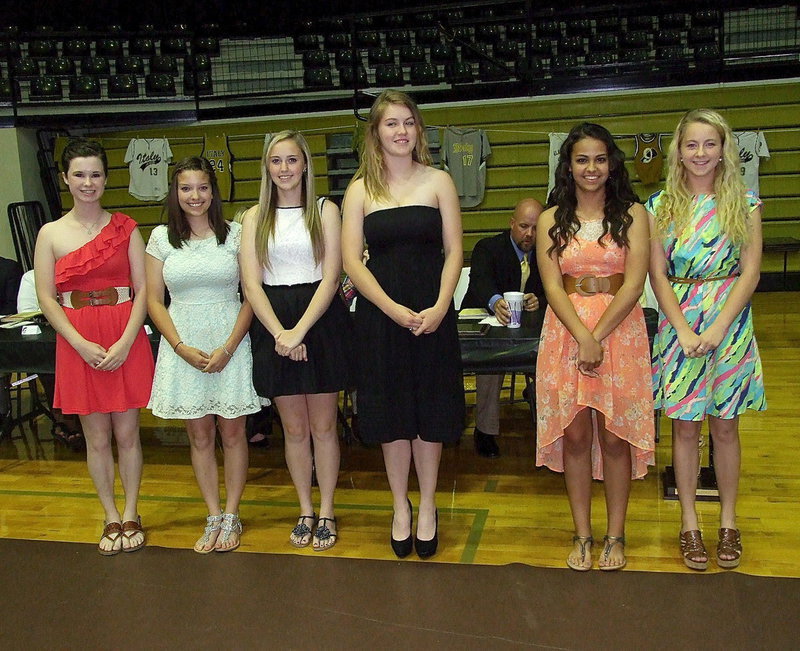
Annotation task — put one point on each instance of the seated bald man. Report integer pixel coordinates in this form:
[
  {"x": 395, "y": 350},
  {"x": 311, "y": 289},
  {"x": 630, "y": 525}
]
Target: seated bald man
[{"x": 497, "y": 266}]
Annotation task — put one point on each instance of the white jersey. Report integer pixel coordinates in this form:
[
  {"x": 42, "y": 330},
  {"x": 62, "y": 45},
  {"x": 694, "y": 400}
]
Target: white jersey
[
  {"x": 267, "y": 138},
  {"x": 27, "y": 301},
  {"x": 556, "y": 140},
  {"x": 148, "y": 161},
  {"x": 752, "y": 146}
]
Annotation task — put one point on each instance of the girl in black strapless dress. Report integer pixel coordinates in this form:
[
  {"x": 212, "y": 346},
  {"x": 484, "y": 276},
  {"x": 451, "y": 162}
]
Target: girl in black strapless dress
[{"x": 409, "y": 377}]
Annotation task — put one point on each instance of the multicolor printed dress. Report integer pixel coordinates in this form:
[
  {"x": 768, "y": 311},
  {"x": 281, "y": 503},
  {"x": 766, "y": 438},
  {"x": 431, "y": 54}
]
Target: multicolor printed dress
[
  {"x": 728, "y": 380},
  {"x": 621, "y": 391}
]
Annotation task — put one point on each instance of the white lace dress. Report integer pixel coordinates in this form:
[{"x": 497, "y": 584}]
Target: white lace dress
[{"x": 203, "y": 281}]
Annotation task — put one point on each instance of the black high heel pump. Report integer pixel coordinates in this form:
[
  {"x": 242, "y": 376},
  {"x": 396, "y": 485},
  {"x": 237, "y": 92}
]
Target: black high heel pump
[
  {"x": 402, "y": 548},
  {"x": 427, "y": 548}
]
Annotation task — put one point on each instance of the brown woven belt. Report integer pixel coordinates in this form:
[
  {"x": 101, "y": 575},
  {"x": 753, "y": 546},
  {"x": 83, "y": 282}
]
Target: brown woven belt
[
  {"x": 108, "y": 296},
  {"x": 591, "y": 285},
  {"x": 697, "y": 281}
]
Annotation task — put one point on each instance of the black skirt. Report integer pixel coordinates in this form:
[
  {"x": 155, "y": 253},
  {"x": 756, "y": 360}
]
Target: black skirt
[{"x": 328, "y": 345}]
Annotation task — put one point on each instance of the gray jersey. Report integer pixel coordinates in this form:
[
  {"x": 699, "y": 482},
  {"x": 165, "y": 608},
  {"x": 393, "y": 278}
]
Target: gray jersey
[
  {"x": 148, "y": 161},
  {"x": 464, "y": 155}
]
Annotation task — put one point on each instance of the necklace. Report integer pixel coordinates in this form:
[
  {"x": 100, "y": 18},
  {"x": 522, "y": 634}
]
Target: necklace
[{"x": 90, "y": 228}]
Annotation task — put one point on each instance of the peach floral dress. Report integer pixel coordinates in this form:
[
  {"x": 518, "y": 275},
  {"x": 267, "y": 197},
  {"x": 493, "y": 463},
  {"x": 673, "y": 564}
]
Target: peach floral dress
[{"x": 622, "y": 392}]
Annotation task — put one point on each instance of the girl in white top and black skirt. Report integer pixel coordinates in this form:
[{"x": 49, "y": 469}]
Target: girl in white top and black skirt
[{"x": 291, "y": 267}]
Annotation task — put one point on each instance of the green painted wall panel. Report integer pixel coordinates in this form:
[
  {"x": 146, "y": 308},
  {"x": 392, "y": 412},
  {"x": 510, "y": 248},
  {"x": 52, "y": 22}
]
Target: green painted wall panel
[
  {"x": 246, "y": 170},
  {"x": 780, "y": 185},
  {"x": 516, "y": 154},
  {"x": 518, "y": 131},
  {"x": 514, "y": 177},
  {"x": 779, "y": 162}
]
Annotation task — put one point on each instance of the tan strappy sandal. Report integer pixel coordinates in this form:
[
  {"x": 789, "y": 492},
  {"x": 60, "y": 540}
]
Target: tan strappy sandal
[
  {"x": 609, "y": 542},
  {"x": 583, "y": 543}
]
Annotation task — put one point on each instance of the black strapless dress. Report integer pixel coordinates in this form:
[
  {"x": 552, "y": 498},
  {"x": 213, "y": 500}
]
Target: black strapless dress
[{"x": 408, "y": 386}]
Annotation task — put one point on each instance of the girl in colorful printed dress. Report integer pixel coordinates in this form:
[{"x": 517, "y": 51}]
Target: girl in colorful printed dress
[
  {"x": 594, "y": 400},
  {"x": 705, "y": 262}
]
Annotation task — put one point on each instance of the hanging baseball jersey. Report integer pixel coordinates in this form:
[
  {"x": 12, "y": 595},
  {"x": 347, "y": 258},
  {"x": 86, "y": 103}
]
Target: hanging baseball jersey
[
  {"x": 358, "y": 137},
  {"x": 752, "y": 146},
  {"x": 148, "y": 161},
  {"x": 464, "y": 157},
  {"x": 556, "y": 140},
  {"x": 217, "y": 152},
  {"x": 267, "y": 139},
  {"x": 649, "y": 157}
]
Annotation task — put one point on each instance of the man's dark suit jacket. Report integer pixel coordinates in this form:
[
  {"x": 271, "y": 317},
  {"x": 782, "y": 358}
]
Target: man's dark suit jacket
[
  {"x": 495, "y": 269},
  {"x": 10, "y": 277}
]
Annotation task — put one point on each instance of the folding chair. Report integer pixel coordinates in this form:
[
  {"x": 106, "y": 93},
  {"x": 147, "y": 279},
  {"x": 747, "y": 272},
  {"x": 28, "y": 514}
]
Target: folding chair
[{"x": 25, "y": 219}]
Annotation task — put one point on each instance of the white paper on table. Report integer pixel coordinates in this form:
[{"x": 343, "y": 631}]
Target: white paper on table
[
  {"x": 472, "y": 313},
  {"x": 492, "y": 321},
  {"x": 15, "y": 324}
]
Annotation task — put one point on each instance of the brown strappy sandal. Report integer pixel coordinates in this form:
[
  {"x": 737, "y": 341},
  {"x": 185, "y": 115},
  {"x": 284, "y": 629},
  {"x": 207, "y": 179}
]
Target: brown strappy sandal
[
  {"x": 112, "y": 532},
  {"x": 693, "y": 550},
  {"x": 730, "y": 544},
  {"x": 131, "y": 528}
]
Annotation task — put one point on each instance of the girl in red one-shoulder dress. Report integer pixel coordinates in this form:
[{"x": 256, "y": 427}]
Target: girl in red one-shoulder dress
[{"x": 91, "y": 287}]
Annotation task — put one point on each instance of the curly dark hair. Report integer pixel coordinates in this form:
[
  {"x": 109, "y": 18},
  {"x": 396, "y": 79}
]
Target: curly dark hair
[
  {"x": 178, "y": 230},
  {"x": 619, "y": 193}
]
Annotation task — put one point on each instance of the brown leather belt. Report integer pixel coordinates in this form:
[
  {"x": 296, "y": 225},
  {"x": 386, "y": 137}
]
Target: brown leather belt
[
  {"x": 108, "y": 296},
  {"x": 697, "y": 281},
  {"x": 590, "y": 285}
]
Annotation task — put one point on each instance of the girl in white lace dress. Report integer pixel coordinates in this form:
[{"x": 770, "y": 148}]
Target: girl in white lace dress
[
  {"x": 291, "y": 266},
  {"x": 204, "y": 365}
]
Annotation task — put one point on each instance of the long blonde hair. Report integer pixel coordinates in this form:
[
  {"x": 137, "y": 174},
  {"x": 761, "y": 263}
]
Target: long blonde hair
[
  {"x": 371, "y": 168},
  {"x": 732, "y": 205},
  {"x": 267, "y": 200}
]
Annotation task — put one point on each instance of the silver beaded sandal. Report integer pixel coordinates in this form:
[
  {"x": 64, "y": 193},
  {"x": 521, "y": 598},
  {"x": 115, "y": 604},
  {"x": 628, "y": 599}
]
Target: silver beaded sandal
[
  {"x": 213, "y": 523},
  {"x": 230, "y": 524}
]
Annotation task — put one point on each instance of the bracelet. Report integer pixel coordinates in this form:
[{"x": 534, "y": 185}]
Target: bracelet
[
  {"x": 175, "y": 347},
  {"x": 226, "y": 351}
]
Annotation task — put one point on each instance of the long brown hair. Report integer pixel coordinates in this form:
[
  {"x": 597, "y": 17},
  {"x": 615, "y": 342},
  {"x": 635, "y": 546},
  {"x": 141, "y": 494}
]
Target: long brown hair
[{"x": 178, "y": 229}]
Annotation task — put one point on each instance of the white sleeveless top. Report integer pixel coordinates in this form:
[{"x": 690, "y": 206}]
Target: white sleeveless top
[{"x": 291, "y": 256}]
